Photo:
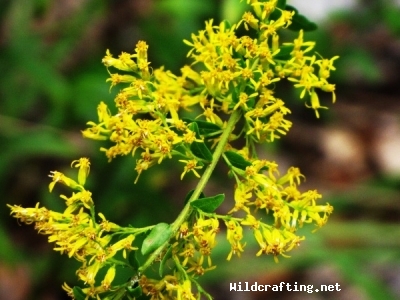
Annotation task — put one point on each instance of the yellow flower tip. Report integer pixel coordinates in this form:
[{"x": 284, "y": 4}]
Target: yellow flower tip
[
  {"x": 191, "y": 165},
  {"x": 108, "y": 278},
  {"x": 68, "y": 289},
  {"x": 84, "y": 168}
]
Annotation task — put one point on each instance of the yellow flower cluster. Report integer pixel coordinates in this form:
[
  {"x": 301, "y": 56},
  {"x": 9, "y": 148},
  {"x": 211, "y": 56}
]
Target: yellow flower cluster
[
  {"x": 195, "y": 243},
  {"x": 167, "y": 288},
  {"x": 268, "y": 193},
  {"x": 238, "y": 73},
  {"x": 76, "y": 233}
]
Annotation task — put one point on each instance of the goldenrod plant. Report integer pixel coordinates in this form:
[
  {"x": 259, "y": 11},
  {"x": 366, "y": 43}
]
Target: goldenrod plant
[{"x": 217, "y": 110}]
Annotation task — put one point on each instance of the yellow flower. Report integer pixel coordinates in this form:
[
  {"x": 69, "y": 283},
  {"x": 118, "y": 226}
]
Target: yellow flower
[
  {"x": 68, "y": 289},
  {"x": 123, "y": 244},
  {"x": 234, "y": 235},
  {"x": 85, "y": 197},
  {"x": 292, "y": 177},
  {"x": 315, "y": 105},
  {"x": 107, "y": 225},
  {"x": 250, "y": 220},
  {"x": 249, "y": 19},
  {"x": 61, "y": 178},
  {"x": 88, "y": 274},
  {"x": 184, "y": 291},
  {"x": 242, "y": 196},
  {"x": 191, "y": 165},
  {"x": 84, "y": 168},
  {"x": 108, "y": 278}
]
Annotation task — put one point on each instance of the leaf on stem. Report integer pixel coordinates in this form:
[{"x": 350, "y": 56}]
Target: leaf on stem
[
  {"x": 199, "y": 149},
  {"x": 156, "y": 238},
  {"x": 166, "y": 256},
  {"x": 208, "y": 204},
  {"x": 133, "y": 261},
  {"x": 237, "y": 160},
  {"x": 190, "y": 195}
]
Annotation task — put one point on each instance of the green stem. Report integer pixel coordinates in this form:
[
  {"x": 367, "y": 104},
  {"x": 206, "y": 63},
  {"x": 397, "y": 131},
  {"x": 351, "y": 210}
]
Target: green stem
[{"x": 199, "y": 188}]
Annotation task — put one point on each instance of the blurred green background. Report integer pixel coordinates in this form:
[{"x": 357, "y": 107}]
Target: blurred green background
[{"x": 52, "y": 80}]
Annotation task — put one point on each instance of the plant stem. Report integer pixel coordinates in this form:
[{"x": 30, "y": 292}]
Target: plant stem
[{"x": 199, "y": 188}]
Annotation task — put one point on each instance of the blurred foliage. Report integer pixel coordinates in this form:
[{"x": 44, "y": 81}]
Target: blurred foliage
[{"x": 52, "y": 80}]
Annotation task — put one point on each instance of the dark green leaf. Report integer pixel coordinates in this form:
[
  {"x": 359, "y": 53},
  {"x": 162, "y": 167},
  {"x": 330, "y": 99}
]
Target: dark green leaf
[
  {"x": 204, "y": 127},
  {"x": 281, "y": 4},
  {"x": 134, "y": 292},
  {"x": 199, "y": 149},
  {"x": 133, "y": 261},
  {"x": 275, "y": 15},
  {"x": 158, "y": 236},
  {"x": 208, "y": 204},
  {"x": 300, "y": 22},
  {"x": 117, "y": 295},
  {"x": 237, "y": 160},
  {"x": 190, "y": 195},
  {"x": 78, "y": 293},
  {"x": 167, "y": 256},
  {"x": 284, "y": 53}
]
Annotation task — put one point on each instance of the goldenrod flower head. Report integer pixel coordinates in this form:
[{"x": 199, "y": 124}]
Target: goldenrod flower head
[
  {"x": 108, "y": 278},
  {"x": 84, "y": 168},
  {"x": 58, "y": 177}
]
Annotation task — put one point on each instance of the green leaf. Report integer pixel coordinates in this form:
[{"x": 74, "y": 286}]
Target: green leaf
[
  {"x": 199, "y": 149},
  {"x": 237, "y": 160},
  {"x": 157, "y": 237},
  {"x": 78, "y": 293},
  {"x": 167, "y": 256},
  {"x": 133, "y": 261},
  {"x": 208, "y": 204},
  {"x": 190, "y": 195},
  {"x": 204, "y": 127},
  {"x": 300, "y": 22},
  {"x": 284, "y": 53},
  {"x": 281, "y": 4},
  {"x": 117, "y": 295},
  {"x": 134, "y": 292},
  {"x": 275, "y": 15}
]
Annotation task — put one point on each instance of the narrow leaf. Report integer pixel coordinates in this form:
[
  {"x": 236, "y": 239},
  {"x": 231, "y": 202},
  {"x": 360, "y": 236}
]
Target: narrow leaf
[
  {"x": 117, "y": 295},
  {"x": 237, "y": 160},
  {"x": 167, "y": 256},
  {"x": 208, "y": 204},
  {"x": 134, "y": 292},
  {"x": 204, "y": 127},
  {"x": 133, "y": 261},
  {"x": 199, "y": 149}
]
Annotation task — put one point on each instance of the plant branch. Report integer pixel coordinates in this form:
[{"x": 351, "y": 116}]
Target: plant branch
[{"x": 199, "y": 188}]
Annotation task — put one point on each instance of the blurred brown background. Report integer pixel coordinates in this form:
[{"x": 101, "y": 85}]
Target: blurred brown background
[{"x": 52, "y": 79}]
